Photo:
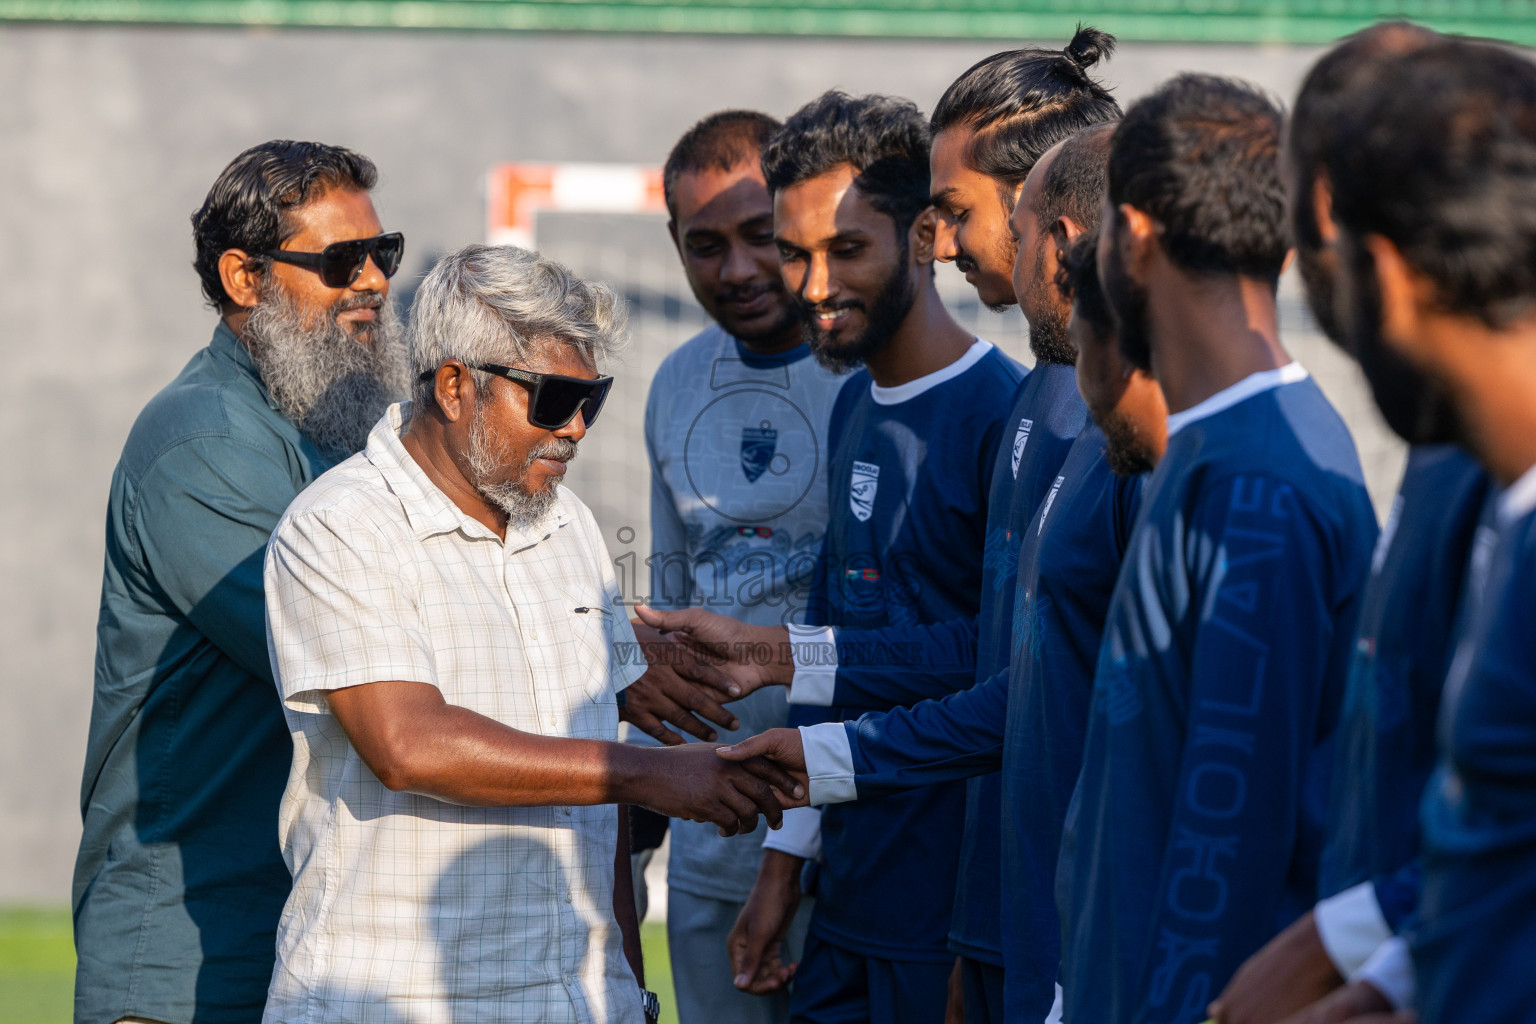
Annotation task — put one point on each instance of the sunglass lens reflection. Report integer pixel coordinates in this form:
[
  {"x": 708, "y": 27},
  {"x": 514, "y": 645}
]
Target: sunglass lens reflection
[
  {"x": 594, "y": 403},
  {"x": 387, "y": 253},
  {"x": 343, "y": 262}
]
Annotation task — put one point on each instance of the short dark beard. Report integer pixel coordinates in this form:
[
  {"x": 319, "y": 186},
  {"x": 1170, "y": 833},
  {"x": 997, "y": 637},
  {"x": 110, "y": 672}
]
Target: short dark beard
[
  {"x": 332, "y": 385},
  {"x": 522, "y": 507},
  {"x": 1416, "y": 407},
  {"x": 890, "y": 308},
  {"x": 1125, "y": 448},
  {"x": 1048, "y": 338}
]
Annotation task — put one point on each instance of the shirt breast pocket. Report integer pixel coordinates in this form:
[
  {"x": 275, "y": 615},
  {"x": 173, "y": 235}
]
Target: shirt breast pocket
[{"x": 593, "y": 636}]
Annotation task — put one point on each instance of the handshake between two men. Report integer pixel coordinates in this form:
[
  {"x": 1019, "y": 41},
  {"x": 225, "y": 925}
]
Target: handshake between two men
[{"x": 697, "y": 661}]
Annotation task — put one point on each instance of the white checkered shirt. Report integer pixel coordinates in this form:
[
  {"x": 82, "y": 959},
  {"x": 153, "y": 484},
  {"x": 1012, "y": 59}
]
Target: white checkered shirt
[{"x": 406, "y": 908}]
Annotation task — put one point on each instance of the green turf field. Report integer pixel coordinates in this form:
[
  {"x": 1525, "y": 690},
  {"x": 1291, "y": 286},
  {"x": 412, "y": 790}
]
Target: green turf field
[{"x": 37, "y": 966}]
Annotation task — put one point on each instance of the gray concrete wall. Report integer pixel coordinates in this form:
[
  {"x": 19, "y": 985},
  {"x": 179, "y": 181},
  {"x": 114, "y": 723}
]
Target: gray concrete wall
[{"x": 109, "y": 138}]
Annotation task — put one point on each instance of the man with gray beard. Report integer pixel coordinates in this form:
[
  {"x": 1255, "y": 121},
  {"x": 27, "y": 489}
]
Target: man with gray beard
[
  {"x": 448, "y": 638},
  {"x": 332, "y": 382},
  {"x": 180, "y": 881}
]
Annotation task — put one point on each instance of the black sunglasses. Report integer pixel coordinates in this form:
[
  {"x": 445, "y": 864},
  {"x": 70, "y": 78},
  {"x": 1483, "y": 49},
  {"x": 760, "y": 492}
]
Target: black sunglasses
[
  {"x": 341, "y": 263},
  {"x": 553, "y": 399}
]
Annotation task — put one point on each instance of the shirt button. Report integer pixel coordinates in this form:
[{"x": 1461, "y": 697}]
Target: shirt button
[
  {"x": 567, "y": 897},
  {"x": 570, "y": 979},
  {"x": 567, "y": 811}
]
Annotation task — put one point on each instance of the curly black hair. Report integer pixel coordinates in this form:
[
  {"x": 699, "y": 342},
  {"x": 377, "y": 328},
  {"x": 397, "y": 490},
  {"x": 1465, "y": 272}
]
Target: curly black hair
[{"x": 885, "y": 139}]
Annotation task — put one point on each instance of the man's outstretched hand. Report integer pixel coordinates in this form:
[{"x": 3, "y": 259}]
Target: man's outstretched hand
[
  {"x": 782, "y": 748},
  {"x": 733, "y": 657},
  {"x": 664, "y": 696},
  {"x": 692, "y": 782}
]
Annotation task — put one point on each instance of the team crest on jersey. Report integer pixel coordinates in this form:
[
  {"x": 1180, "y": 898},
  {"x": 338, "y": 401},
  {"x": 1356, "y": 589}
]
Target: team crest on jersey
[
  {"x": 757, "y": 448},
  {"x": 1019, "y": 441},
  {"x": 861, "y": 492}
]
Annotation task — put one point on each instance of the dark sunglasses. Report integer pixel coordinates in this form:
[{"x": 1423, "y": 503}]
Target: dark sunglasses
[
  {"x": 553, "y": 399},
  {"x": 341, "y": 263}
]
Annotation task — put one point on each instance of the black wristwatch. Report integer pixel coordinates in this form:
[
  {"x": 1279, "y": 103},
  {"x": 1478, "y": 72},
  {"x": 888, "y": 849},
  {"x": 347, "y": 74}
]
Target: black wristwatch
[{"x": 651, "y": 1004}]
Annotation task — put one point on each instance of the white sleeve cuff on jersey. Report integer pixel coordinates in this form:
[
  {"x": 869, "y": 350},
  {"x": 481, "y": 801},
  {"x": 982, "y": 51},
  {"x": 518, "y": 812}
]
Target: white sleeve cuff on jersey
[
  {"x": 800, "y": 836},
  {"x": 1351, "y": 926},
  {"x": 1390, "y": 972},
  {"x": 829, "y": 763},
  {"x": 815, "y": 654}
]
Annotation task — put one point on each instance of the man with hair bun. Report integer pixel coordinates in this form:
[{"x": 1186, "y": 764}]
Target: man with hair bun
[
  {"x": 179, "y": 880},
  {"x": 1194, "y": 832},
  {"x": 447, "y": 637},
  {"x": 989, "y": 128}
]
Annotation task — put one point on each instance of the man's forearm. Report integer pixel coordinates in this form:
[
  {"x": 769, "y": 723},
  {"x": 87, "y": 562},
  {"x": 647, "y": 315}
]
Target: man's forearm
[{"x": 415, "y": 742}]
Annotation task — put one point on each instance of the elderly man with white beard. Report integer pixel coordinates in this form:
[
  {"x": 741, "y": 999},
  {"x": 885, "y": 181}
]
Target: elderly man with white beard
[
  {"x": 179, "y": 880},
  {"x": 447, "y": 634}
]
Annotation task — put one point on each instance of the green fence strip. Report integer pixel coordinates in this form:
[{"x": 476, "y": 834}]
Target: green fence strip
[{"x": 1252, "y": 21}]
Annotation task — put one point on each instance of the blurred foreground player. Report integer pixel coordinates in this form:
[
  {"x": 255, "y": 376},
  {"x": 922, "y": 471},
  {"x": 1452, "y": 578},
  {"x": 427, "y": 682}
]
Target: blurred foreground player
[
  {"x": 1411, "y": 612},
  {"x": 1194, "y": 832},
  {"x": 1437, "y": 204}
]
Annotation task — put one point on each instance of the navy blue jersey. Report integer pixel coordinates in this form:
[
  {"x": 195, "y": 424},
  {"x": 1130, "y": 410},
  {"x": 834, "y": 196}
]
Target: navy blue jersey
[
  {"x": 1044, "y": 422},
  {"x": 909, "y": 484},
  {"x": 1046, "y": 416},
  {"x": 1386, "y": 737},
  {"x": 1068, "y": 561},
  {"x": 1474, "y": 947},
  {"x": 1194, "y": 833},
  {"x": 1067, "y": 569}
]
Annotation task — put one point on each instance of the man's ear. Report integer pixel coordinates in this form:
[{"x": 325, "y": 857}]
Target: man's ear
[
  {"x": 454, "y": 391},
  {"x": 921, "y": 236},
  {"x": 1322, "y": 209},
  {"x": 1139, "y": 245},
  {"x": 1064, "y": 232},
  {"x": 241, "y": 280}
]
